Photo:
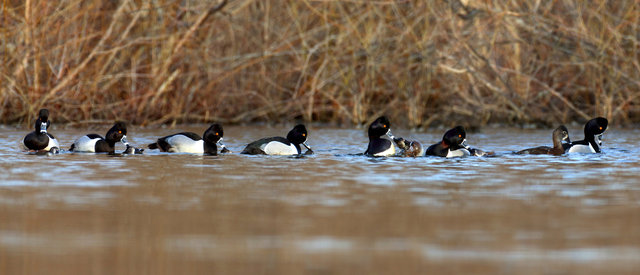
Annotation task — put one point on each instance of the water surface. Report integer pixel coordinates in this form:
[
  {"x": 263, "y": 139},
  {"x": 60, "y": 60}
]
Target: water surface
[{"x": 332, "y": 212}]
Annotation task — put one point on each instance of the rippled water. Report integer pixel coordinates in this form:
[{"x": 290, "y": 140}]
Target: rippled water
[{"x": 332, "y": 212}]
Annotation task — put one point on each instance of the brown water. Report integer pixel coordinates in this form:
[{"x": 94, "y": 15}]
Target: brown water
[{"x": 330, "y": 213}]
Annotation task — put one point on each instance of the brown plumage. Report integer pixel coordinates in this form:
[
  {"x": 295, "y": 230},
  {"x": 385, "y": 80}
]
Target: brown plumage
[
  {"x": 559, "y": 134},
  {"x": 409, "y": 148}
]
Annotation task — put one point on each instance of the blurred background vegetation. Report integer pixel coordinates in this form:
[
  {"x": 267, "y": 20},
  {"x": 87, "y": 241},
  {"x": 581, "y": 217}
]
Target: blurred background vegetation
[{"x": 422, "y": 63}]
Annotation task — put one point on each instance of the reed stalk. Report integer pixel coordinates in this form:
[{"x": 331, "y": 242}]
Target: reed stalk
[{"x": 423, "y": 63}]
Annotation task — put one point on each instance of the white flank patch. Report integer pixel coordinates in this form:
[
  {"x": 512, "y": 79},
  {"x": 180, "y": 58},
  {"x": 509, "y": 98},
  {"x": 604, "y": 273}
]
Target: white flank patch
[
  {"x": 52, "y": 143},
  {"x": 85, "y": 144},
  {"x": 581, "y": 148},
  {"x": 386, "y": 153},
  {"x": 458, "y": 153},
  {"x": 279, "y": 148},
  {"x": 183, "y": 144}
]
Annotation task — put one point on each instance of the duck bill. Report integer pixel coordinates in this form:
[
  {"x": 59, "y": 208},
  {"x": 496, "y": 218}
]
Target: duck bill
[
  {"x": 464, "y": 144},
  {"x": 43, "y": 127},
  {"x": 306, "y": 146},
  {"x": 219, "y": 143},
  {"x": 124, "y": 140},
  {"x": 390, "y": 135},
  {"x": 599, "y": 139}
]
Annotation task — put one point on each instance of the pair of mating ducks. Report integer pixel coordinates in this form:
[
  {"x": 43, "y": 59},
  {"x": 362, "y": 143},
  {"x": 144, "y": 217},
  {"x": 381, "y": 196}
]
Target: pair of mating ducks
[
  {"x": 186, "y": 142},
  {"x": 593, "y": 132},
  {"x": 453, "y": 142}
]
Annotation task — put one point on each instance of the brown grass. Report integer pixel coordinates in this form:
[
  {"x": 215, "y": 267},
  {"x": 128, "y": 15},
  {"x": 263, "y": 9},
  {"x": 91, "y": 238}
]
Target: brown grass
[{"x": 423, "y": 63}]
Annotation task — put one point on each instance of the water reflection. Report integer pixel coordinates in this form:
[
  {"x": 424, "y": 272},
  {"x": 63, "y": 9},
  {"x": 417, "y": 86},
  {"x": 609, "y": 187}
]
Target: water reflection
[{"x": 332, "y": 212}]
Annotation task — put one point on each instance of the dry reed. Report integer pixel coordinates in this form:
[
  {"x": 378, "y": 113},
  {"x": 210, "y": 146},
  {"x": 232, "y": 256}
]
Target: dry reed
[{"x": 423, "y": 63}]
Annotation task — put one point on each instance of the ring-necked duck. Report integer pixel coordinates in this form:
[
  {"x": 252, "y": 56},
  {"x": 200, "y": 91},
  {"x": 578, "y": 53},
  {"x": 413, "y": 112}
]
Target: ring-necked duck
[
  {"x": 559, "y": 135},
  {"x": 40, "y": 139},
  {"x": 453, "y": 144},
  {"x": 133, "y": 150},
  {"x": 593, "y": 131},
  {"x": 480, "y": 153},
  {"x": 409, "y": 148},
  {"x": 95, "y": 143},
  {"x": 378, "y": 145},
  {"x": 188, "y": 142},
  {"x": 280, "y": 145}
]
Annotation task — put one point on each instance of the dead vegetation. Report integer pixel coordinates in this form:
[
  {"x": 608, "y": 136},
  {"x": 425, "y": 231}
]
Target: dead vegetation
[{"x": 423, "y": 63}]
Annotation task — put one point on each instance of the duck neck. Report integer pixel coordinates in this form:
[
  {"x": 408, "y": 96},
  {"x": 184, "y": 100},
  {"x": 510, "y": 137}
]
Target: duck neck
[
  {"x": 298, "y": 148},
  {"x": 210, "y": 148},
  {"x": 594, "y": 144},
  {"x": 557, "y": 143},
  {"x": 112, "y": 145}
]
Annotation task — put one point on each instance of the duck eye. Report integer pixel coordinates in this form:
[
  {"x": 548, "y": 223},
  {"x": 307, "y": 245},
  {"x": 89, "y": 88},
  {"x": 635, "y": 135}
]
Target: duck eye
[
  {"x": 304, "y": 135},
  {"x": 460, "y": 136},
  {"x": 119, "y": 132},
  {"x": 600, "y": 127},
  {"x": 384, "y": 125},
  {"x": 217, "y": 134}
]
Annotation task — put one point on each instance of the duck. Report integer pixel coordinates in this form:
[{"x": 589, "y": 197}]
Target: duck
[
  {"x": 189, "y": 142},
  {"x": 453, "y": 144},
  {"x": 94, "y": 143},
  {"x": 592, "y": 142},
  {"x": 379, "y": 146},
  {"x": 409, "y": 148},
  {"x": 280, "y": 145},
  {"x": 559, "y": 135},
  {"x": 480, "y": 153},
  {"x": 130, "y": 150},
  {"x": 40, "y": 139}
]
